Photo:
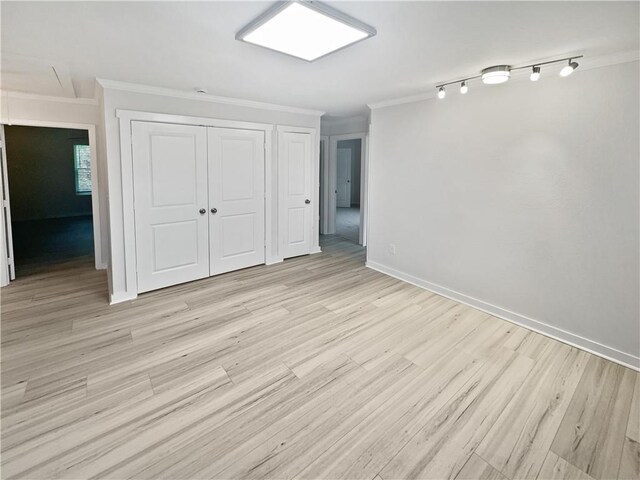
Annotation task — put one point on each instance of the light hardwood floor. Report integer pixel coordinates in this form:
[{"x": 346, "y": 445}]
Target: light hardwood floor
[{"x": 314, "y": 368}]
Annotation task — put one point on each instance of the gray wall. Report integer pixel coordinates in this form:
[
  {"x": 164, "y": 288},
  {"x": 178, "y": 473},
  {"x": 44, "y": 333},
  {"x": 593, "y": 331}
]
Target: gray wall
[
  {"x": 522, "y": 199},
  {"x": 355, "y": 147},
  {"x": 41, "y": 173}
]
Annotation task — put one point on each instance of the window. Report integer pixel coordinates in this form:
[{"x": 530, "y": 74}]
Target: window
[{"x": 82, "y": 159}]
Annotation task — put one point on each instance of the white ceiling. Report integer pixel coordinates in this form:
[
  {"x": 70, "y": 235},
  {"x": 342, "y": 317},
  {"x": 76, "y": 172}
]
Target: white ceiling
[{"x": 186, "y": 45}]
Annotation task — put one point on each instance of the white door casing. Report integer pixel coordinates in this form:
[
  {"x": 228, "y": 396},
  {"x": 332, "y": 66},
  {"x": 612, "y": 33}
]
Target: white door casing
[
  {"x": 343, "y": 178},
  {"x": 330, "y": 180},
  {"x": 236, "y": 199},
  {"x": 324, "y": 184},
  {"x": 295, "y": 173},
  {"x": 170, "y": 202},
  {"x": 6, "y": 251}
]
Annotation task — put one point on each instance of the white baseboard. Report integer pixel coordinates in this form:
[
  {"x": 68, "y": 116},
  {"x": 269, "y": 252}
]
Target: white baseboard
[
  {"x": 315, "y": 250},
  {"x": 122, "y": 297},
  {"x": 569, "y": 338}
]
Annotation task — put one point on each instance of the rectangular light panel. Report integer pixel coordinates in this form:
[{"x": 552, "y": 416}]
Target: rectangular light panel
[{"x": 306, "y": 30}]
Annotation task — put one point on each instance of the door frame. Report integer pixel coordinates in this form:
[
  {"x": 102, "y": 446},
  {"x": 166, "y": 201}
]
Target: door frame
[
  {"x": 6, "y": 234},
  {"x": 126, "y": 163},
  {"x": 330, "y": 182},
  {"x": 324, "y": 183},
  {"x": 315, "y": 185},
  {"x": 348, "y": 173},
  {"x": 99, "y": 259}
]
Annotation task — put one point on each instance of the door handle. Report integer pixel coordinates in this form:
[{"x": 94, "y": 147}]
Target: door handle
[
  {"x": 202, "y": 211},
  {"x": 214, "y": 210},
  {"x": 307, "y": 201}
]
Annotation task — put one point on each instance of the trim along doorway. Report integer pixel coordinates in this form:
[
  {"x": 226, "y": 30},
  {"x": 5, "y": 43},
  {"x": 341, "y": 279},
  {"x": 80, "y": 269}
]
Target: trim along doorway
[
  {"x": 329, "y": 179},
  {"x": 7, "y": 259}
]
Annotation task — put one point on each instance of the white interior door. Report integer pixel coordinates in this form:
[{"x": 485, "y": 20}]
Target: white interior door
[
  {"x": 343, "y": 178},
  {"x": 295, "y": 173},
  {"x": 170, "y": 194},
  {"x": 236, "y": 199},
  {"x": 7, "y": 263}
]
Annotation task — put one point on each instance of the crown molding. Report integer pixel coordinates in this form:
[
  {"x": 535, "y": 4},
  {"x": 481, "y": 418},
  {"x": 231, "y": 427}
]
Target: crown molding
[
  {"x": 587, "y": 63},
  {"x": 47, "y": 98},
  {"x": 202, "y": 97}
]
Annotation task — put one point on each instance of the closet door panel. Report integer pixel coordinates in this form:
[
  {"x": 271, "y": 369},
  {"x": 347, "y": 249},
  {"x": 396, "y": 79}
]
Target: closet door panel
[
  {"x": 295, "y": 170},
  {"x": 236, "y": 192},
  {"x": 170, "y": 192}
]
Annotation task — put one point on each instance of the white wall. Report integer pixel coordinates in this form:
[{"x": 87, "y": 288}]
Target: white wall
[
  {"x": 162, "y": 102},
  {"x": 345, "y": 125},
  {"x": 522, "y": 199}
]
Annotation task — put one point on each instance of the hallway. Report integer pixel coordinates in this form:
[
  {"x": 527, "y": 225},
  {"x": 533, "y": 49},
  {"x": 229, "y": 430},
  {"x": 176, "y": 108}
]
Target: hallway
[{"x": 348, "y": 223}]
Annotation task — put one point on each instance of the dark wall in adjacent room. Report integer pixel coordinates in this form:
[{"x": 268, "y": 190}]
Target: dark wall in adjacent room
[{"x": 41, "y": 172}]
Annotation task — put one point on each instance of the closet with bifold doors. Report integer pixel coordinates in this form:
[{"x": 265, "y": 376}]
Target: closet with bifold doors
[{"x": 199, "y": 201}]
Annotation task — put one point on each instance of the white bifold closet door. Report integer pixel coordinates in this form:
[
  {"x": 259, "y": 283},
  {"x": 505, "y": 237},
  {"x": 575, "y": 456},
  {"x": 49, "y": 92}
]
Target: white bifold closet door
[
  {"x": 236, "y": 196},
  {"x": 294, "y": 185},
  {"x": 199, "y": 201},
  {"x": 170, "y": 196}
]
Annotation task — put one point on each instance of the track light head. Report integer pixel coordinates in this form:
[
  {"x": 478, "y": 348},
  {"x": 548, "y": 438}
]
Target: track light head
[
  {"x": 535, "y": 74},
  {"x": 441, "y": 93},
  {"x": 464, "y": 88},
  {"x": 568, "y": 68}
]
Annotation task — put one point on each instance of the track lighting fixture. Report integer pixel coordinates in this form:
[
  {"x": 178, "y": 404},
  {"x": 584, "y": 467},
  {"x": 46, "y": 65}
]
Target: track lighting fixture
[
  {"x": 535, "y": 74},
  {"x": 502, "y": 73},
  {"x": 568, "y": 68}
]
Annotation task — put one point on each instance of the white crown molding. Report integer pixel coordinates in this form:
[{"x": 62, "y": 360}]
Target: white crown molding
[
  {"x": 47, "y": 98},
  {"x": 402, "y": 100},
  {"x": 169, "y": 92},
  {"x": 587, "y": 63}
]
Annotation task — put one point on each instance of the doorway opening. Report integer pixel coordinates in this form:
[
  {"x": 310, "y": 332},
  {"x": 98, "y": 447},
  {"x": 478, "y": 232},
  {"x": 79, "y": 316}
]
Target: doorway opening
[
  {"x": 49, "y": 194},
  {"x": 343, "y": 186},
  {"x": 348, "y": 174}
]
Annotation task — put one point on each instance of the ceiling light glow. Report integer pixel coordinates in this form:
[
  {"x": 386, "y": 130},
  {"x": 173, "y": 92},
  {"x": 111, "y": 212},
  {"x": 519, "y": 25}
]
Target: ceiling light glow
[
  {"x": 441, "y": 93},
  {"x": 464, "y": 88},
  {"x": 496, "y": 75},
  {"x": 306, "y": 30}
]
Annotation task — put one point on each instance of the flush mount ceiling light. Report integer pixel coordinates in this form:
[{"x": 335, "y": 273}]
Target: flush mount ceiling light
[
  {"x": 304, "y": 29},
  {"x": 496, "y": 75},
  {"x": 502, "y": 73}
]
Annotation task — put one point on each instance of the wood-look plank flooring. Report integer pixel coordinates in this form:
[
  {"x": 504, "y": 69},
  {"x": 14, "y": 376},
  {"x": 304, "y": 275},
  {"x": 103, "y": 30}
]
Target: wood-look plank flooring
[{"x": 315, "y": 368}]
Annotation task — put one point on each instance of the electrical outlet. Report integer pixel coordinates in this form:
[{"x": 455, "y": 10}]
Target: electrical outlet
[{"x": 392, "y": 248}]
